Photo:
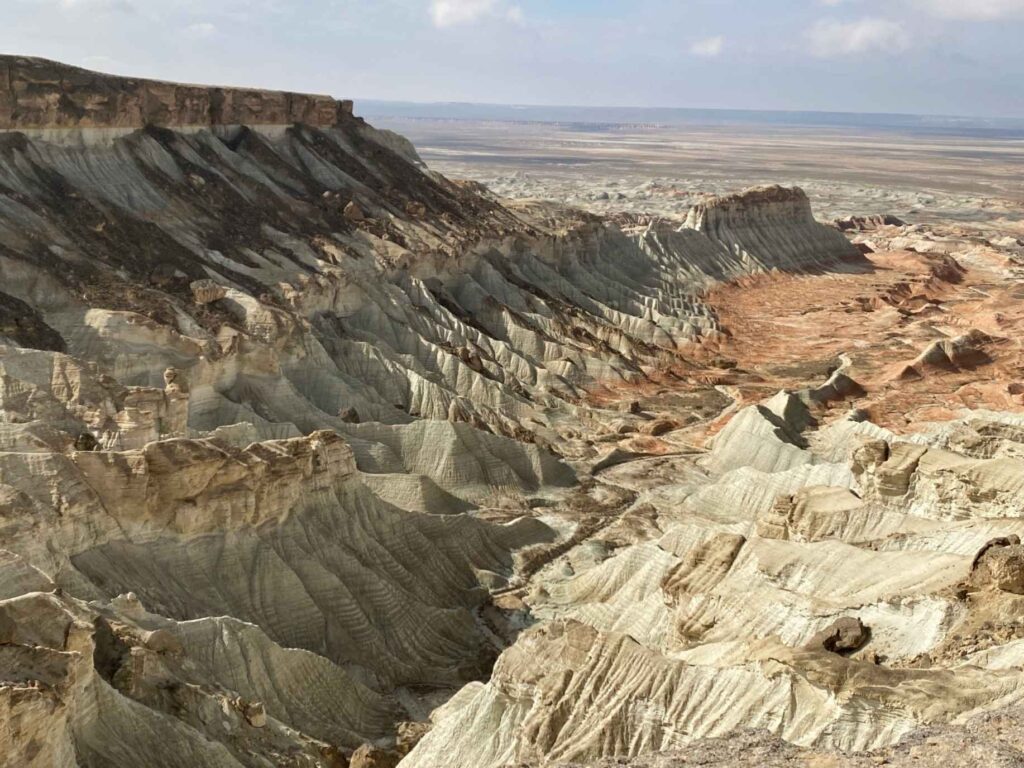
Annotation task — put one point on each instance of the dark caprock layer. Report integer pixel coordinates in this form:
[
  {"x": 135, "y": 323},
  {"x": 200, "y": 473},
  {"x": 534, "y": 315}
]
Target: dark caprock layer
[{"x": 38, "y": 93}]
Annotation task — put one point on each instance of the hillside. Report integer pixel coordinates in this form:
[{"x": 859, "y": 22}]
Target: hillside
[{"x": 310, "y": 456}]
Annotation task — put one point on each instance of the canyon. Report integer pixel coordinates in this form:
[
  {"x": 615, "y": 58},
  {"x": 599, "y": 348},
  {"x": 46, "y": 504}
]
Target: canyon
[{"x": 313, "y": 456}]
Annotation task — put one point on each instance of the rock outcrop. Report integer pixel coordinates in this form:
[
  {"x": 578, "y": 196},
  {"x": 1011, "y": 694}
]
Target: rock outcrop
[
  {"x": 843, "y": 636},
  {"x": 771, "y": 227},
  {"x": 867, "y": 223},
  {"x": 41, "y": 94}
]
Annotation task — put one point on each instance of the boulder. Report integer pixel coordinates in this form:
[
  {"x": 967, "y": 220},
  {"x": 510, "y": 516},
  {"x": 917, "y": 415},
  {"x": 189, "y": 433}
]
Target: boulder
[
  {"x": 207, "y": 291},
  {"x": 843, "y": 636},
  {"x": 349, "y": 415},
  {"x": 86, "y": 441},
  {"x": 162, "y": 641},
  {"x": 999, "y": 541},
  {"x": 410, "y": 733},
  {"x": 660, "y": 427},
  {"x": 369, "y": 756},
  {"x": 1000, "y": 566},
  {"x": 353, "y": 212},
  {"x": 255, "y": 714}
]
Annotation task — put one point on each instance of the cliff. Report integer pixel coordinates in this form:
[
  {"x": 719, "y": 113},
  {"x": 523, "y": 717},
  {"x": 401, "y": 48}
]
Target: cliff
[
  {"x": 770, "y": 228},
  {"x": 37, "y": 93}
]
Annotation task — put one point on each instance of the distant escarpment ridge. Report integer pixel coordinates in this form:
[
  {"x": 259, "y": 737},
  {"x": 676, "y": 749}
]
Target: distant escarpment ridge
[{"x": 41, "y": 94}]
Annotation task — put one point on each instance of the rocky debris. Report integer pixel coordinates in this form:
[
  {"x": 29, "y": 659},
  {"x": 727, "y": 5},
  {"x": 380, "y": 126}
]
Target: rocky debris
[
  {"x": 207, "y": 291},
  {"x": 843, "y": 636},
  {"x": 1000, "y": 565},
  {"x": 659, "y": 426},
  {"x": 530, "y": 679},
  {"x": 867, "y": 223},
  {"x": 369, "y": 756},
  {"x": 349, "y": 415},
  {"x": 255, "y": 714},
  {"x": 354, "y": 212},
  {"x": 887, "y": 469},
  {"x": 471, "y": 358},
  {"x": 174, "y": 382},
  {"x": 966, "y": 351},
  {"x": 989, "y": 739},
  {"x": 36, "y": 93},
  {"x": 409, "y": 734},
  {"x": 869, "y": 455},
  {"x": 86, "y": 441},
  {"x": 998, "y": 542}
]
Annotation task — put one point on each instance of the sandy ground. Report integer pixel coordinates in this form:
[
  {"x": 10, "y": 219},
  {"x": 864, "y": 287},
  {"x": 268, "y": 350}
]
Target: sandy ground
[{"x": 882, "y": 319}]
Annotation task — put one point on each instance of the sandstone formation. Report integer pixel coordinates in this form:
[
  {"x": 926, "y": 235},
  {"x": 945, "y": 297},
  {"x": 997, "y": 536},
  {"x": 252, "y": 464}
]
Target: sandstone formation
[
  {"x": 41, "y": 94},
  {"x": 310, "y": 456},
  {"x": 864, "y": 223},
  {"x": 770, "y": 227}
]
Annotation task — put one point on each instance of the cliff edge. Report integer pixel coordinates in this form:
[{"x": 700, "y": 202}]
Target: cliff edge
[{"x": 39, "y": 94}]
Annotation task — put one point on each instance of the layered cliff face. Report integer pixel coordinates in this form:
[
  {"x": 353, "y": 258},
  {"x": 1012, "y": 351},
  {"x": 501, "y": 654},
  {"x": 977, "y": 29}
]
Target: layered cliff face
[
  {"x": 769, "y": 228},
  {"x": 307, "y": 451},
  {"x": 41, "y": 94}
]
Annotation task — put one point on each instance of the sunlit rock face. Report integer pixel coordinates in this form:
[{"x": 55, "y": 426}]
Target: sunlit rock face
[
  {"x": 309, "y": 454},
  {"x": 770, "y": 228}
]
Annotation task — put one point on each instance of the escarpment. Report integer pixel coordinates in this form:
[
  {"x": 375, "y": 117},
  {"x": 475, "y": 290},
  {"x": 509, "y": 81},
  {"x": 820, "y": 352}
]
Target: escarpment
[
  {"x": 310, "y": 454},
  {"x": 41, "y": 94},
  {"x": 770, "y": 227}
]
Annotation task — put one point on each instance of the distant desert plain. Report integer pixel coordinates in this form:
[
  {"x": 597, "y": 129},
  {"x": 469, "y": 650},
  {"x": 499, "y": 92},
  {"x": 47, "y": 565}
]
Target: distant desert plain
[{"x": 942, "y": 172}]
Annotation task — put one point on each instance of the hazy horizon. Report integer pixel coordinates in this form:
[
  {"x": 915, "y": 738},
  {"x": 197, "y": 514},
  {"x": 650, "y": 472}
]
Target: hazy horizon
[
  {"x": 661, "y": 115},
  {"x": 921, "y": 57}
]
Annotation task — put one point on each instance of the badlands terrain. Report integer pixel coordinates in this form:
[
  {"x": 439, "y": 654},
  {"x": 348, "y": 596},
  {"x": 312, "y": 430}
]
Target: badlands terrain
[
  {"x": 928, "y": 171},
  {"x": 313, "y": 456}
]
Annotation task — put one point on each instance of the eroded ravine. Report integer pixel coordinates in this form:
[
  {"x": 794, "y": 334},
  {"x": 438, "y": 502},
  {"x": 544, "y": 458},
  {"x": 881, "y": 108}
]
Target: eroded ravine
[{"x": 306, "y": 450}]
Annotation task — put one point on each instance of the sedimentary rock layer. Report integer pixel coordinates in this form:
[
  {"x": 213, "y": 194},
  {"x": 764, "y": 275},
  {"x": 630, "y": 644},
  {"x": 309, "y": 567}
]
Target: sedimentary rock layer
[
  {"x": 309, "y": 454},
  {"x": 41, "y": 94}
]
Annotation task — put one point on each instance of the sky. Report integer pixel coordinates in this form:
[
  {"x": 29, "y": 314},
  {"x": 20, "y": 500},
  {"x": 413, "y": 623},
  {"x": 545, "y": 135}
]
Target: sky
[{"x": 948, "y": 57}]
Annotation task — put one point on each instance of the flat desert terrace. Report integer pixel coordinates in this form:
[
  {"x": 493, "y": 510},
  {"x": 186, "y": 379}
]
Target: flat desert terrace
[{"x": 942, "y": 172}]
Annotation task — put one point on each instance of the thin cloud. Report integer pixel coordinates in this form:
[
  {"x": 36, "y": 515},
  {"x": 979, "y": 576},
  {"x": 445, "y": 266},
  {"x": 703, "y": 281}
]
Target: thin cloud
[
  {"x": 973, "y": 10},
  {"x": 454, "y": 13},
  {"x": 122, "y": 6},
  {"x": 709, "y": 47},
  {"x": 201, "y": 30},
  {"x": 837, "y": 38}
]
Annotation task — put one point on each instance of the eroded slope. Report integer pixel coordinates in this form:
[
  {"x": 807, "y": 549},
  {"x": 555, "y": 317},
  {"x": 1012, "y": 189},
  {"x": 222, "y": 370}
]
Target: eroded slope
[{"x": 297, "y": 438}]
